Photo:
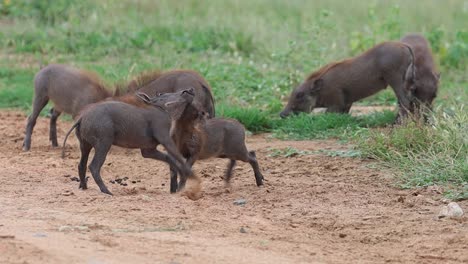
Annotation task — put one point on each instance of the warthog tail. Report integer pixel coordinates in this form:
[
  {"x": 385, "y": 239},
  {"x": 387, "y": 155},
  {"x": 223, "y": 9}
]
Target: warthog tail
[{"x": 77, "y": 123}]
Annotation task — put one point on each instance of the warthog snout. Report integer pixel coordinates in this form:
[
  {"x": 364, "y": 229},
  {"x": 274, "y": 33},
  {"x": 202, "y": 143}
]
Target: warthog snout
[{"x": 285, "y": 113}]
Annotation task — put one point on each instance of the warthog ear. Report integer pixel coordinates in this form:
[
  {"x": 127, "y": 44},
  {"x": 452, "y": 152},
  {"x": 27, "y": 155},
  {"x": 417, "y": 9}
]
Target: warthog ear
[
  {"x": 144, "y": 97},
  {"x": 318, "y": 84},
  {"x": 437, "y": 75}
]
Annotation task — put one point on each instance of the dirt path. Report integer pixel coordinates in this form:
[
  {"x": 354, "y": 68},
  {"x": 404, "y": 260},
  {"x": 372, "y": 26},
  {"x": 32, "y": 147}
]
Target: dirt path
[{"x": 313, "y": 209}]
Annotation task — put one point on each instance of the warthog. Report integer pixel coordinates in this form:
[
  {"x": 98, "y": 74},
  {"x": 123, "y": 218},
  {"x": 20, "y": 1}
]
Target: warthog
[
  {"x": 69, "y": 89},
  {"x": 211, "y": 138},
  {"x": 338, "y": 85},
  {"x": 146, "y": 126},
  {"x": 425, "y": 83},
  {"x": 177, "y": 80}
]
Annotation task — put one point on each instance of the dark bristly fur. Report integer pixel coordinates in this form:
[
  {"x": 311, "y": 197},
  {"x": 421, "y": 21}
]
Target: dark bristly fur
[
  {"x": 108, "y": 123},
  {"x": 136, "y": 83},
  {"x": 338, "y": 85},
  {"x": 69, "y": 89}
]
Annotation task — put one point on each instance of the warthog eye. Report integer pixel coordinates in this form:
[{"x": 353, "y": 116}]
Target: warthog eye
[
  {"x": 189, "y": 91},
  {"x": 159, "y": 94}
]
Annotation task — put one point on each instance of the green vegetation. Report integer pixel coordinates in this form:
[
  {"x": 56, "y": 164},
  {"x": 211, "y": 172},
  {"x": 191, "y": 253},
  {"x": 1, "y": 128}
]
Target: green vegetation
[
  {"x": 253, "y": 53},
  {"x": 329, "y": 125},
  {"x": 253, "y": 119},
  {"x": 14, "y": 92},
  {"x": 425, "y": 154}
]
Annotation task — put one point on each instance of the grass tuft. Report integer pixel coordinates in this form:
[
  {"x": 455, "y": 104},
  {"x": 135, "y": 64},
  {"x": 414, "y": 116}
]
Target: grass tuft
[{"x": 425, "y": 155}]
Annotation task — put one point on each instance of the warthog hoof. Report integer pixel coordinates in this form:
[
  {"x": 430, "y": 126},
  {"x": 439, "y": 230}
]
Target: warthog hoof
[{"x": 106, "y": 192}]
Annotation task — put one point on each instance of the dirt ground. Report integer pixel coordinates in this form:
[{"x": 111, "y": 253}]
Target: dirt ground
[{"x": 312, "y": 209}]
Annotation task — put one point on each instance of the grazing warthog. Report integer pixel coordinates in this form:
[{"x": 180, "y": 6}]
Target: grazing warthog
[
  {"x": 211, "y": 138},
  {"x": 69, "y": 89},
  {"x": 338, "y": 85},
  {"x": 177, "y": 80},
  {"x": 109, "y": 123},
  {"x": 425, "y": 83}
]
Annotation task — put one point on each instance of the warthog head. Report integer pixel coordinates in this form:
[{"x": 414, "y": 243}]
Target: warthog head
[
  {"x": 173, "y": 103},
  {"x": 303, "y": 98},
  {"x": 423, "y": 88}
]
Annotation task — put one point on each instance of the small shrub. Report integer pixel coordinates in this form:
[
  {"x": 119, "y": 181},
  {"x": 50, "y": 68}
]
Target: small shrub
[
  {"x": 435, "y": 38},
  {"x": 457, "y": 52}
]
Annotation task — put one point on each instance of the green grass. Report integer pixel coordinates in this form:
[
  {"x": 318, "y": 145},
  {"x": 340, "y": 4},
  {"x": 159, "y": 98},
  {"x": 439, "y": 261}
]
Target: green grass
[
  {"x": 14, "y": 92},
  {"x": 253, "y": 119},
  {"x": 425, "y": 155},
  {"x": 329, "y": 125},
  {"x": 253, "y": 53}
]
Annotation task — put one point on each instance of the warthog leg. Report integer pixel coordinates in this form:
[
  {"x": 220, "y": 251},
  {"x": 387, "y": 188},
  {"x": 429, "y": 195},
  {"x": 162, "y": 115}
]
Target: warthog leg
[
  {"x": 54, "y": 114},
  {"x": 174, "y": 185},
  {"x": 85, "y": 148},
  {"x": 39, "y": 103},
  {"x": 251, "y": 158},
  {"x": 174, "y": 167},
  {"x": 404, "y": 103},
  {"x": 230, "y": 168},
  {"x": 153, "y": 153},
  {"x": 253, "y": 162},
  {"x": 101, "y": 150},
  {"x": 177, "y": 187}
]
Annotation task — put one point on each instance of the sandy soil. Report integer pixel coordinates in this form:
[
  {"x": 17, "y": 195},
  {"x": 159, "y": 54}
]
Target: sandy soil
[{"x": 313, "y": 209}]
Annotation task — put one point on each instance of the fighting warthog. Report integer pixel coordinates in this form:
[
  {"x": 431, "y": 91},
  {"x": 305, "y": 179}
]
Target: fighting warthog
[
  {"x": 198, "y": 138},
  {"x": 338, "y": 85},
  {"x": 425, "y": 83},
  {"x": 177, "y": 80},
  {"x": 143, "y": 126},
  {"x": 70, "y": 89}
]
